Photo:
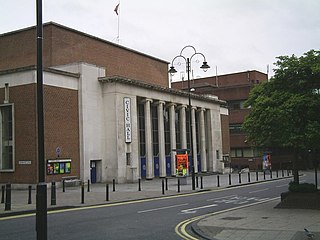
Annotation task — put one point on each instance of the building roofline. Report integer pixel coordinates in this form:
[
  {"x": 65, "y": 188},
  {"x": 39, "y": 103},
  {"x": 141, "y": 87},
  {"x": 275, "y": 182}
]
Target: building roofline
[
  {"x": 138, "y": 83},
  {"x": 84, "y": 34},
  {"x": 34, "y": 67}
]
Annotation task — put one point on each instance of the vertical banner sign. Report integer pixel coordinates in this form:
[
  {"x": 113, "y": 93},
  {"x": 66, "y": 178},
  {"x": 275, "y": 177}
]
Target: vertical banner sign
[
  {"x": 182, "y": 165},
  {"x": 127, "y": 119}
]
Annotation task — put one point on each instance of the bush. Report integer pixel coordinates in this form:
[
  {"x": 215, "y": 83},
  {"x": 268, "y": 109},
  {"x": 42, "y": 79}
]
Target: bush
[{"x": 304, "y": 187}]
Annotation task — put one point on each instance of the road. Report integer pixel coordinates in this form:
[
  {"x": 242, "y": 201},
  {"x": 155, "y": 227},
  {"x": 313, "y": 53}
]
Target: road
[{"x": 144, "y": 219}]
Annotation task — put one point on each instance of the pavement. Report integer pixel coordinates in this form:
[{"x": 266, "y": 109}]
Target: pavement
[{"x": 258, "y": 221}]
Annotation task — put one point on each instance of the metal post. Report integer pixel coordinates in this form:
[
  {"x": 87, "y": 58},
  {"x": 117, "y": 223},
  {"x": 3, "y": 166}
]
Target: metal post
[
  {"x": 178, "y": 185},
  {"x": 270, "y": 174},
  {"x": 88, "y": 185},
  {"x": 63, "y": 185},
  {"x": 29, "y": 194},
  {"x": 41, "y": 204},
  {"x": 249, "y": 177},
  {"x": 139, "y": 187},
  {"x": 218, "y": 180},
  {"x": 82, "y": 192},
  {"x": 282, "y": 173},
  {"x": 201, "y": 182},
  {"x": 113, "y": 185},
  {"x": 53, "y": 194},
  {"x": 257, "y": 176},
  {"x": 277, "y": 173},
  {"x": 197, "y": 181},
  {"x": 229, "y": 179},
  {"x": 264, "y": 175},
  {"x": 239, "y": 178},
  {"x": 162, "y": 186},
  {"x": 8, "y": 197},
  {"x": 107, "y": 192}
]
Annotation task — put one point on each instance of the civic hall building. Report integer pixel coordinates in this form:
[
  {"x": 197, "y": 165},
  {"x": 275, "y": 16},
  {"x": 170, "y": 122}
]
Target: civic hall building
[{"x": 109, "y": 112}]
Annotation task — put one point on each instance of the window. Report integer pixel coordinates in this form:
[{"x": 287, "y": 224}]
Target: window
[
  {"x": 167, "y": 131},
  {"x": 6, "y": 138},
  {"x": 155, "y": 137},
  {"x": 142, "y": 136},
  {"x": 236, "y": 104},
  {"x": 235, "y": 128}
]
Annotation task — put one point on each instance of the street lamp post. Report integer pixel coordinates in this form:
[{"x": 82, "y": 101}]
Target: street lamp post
[
  {"x": 41, "y": 199},
  {"x": 172, "y": 70}
]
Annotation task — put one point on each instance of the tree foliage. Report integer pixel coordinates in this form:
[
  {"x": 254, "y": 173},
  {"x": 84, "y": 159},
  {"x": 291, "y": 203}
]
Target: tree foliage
[{"x": 285, "y": 111}]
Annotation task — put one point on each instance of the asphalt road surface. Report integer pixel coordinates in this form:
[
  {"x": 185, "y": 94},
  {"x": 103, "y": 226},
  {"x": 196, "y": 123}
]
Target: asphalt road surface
[{"x": 145, "y": 219}]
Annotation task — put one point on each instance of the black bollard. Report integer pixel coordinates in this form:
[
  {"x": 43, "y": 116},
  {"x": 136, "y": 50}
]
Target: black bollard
[
  {"x": 282, "y": 173},
  {"x": 113, "y": 185},
  {"x": 229, "y": 179},
  {"x": 277, "y": 173},
  {"x": 63, "y": 186},
  {"x": 257, "y": 176},
  {"x": 82, "y": 192},
  {"x": 218, "y": 180},
  {"x": 288, "y": 173},
  {"x": 197, "y": 181},
  {"x": 264, "y": 175},
  {"x": 2, "y": 193},
  {"x": 107, "y": 191},
  {"x": 29, "y": 194},
  {"x": 88, "y": 185},
  {"x": 166, "y": 184},
  {"x": 162, "y": 186},
  {"x": 53, "y": 194},
  {"x": 8, "y": 197},
  {"x": 270, "y": 174},
  {"x": 178, "y": 185},
  {"x": 239, "y": 178},
  {"x": 201, "y": 182},
  {"x": 249, "y": 177},
  {"x": 139, "y": 182}
]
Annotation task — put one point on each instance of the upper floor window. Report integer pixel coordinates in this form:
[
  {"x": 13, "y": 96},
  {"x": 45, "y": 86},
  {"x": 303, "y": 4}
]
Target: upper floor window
[
  {"x": 6, "y": 137},
  {"x": 236, "y": 104}
]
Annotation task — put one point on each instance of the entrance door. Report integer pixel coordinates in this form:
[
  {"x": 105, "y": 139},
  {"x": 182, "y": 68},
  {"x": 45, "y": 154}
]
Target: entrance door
[{"x": 93, "y": 172}]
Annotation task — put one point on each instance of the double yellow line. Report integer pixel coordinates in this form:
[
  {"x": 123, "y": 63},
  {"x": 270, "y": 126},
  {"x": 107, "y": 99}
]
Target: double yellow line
[{"x": 180, "y": 229}]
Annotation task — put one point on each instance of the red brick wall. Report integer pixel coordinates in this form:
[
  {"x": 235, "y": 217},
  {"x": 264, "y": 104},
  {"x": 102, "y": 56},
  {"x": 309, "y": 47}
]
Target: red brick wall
[
  {"x": 63, "y": 45},
  {"x": 61, "y": 130},
  {"x": 225, "y": 134}
]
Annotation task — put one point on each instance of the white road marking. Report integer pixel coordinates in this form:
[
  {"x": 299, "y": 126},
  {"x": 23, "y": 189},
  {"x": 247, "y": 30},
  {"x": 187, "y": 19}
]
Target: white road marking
[
  {"x": 260, "y": 190},
  {"x": 213, "y": 199},
  {"x": 193, "y": 210},
  {"x": 157, "y": 209},
  {"x": 283, "y": 185}
]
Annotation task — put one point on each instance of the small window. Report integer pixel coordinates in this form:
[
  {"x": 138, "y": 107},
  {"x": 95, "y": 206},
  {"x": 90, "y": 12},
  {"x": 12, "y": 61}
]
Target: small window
[{"x": 6, "y": 138}]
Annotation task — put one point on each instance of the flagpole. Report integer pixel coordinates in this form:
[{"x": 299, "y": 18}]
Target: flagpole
[{"x": 118, "y": 13}]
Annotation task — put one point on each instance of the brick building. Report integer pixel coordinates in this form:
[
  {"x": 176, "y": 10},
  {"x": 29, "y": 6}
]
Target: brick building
[
  {"x": 63, "y": 45},
  {"x": 104, "y": 118},
  {"x": 234, "y": 89}
]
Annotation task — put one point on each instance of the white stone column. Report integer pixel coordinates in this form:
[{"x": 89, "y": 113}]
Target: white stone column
[
  {"x": 173, "y": 140},
  {"x": 183, "y": 127},
  {"x": 194, "y": 139},
  {"x": 211, "y": 148},
  {"x": 203, "y": 141},
  {"x": 162, "y": 150},
  {"x": 149, "y": 143}
]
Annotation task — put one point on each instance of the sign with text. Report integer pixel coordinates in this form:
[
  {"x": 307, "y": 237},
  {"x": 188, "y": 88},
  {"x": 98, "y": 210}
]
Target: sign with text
[
  {"x": 182, "y": 165},
  {"x": 127, "y": 119}
]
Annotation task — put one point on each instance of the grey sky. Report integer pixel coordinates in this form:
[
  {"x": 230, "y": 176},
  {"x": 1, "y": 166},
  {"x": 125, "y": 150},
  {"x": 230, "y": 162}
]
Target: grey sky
[{"x": 234, "y": 35}]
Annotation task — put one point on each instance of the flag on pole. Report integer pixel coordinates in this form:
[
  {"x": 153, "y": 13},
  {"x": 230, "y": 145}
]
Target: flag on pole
[{"x": 116, "y": 9}]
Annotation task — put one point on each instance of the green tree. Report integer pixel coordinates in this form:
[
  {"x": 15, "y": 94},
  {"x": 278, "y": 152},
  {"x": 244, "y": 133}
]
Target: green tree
[{"x": 285, "y": 111}]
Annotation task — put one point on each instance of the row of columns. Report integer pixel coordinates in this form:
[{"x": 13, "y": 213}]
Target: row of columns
[{"x": 183, "y": 136}]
